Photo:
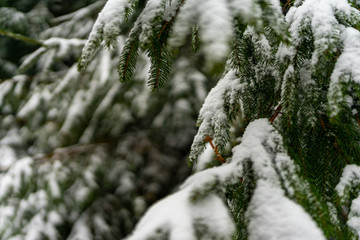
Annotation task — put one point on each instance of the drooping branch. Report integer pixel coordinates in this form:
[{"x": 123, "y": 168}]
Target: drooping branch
[{"x": 21, "y": 37}]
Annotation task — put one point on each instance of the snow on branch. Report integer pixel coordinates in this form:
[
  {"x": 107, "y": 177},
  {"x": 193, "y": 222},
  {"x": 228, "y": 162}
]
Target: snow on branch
[
  {"x": 347, "y": 187},
  {"x": 52, "y": 49},
  {"x": 215, "y": 23},
  {"x": 163, "y": 25},
  {"x": 76, "y": 24},
  {"x": 271, "y": 213},
  {"x": 318, "y": 20},
  {"x": 198, "y": 204},
  {"x": 319, "y": 17},
  {"x": 274, "y": 216},
  {"x": 12, "y": 181},
  {"x": 321, "y": 36},
  {"x": 346, "y": 70},
  {"x": 106, "y": 27},
  {"x": 350, "y": 177},
  {"x": 213, "y": 119}
]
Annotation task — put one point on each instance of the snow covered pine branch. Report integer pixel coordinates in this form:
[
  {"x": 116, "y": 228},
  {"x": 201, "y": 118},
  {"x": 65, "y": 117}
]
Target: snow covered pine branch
[
  {"x": 304, "y": 63},
  {"x": 197, "y": 211}
]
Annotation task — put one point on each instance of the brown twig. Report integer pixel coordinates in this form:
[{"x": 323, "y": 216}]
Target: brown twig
[
  {"x": 323, "y": 124},
  {"x": 286, "y": 5},
  {"x": 276, "y": 113},
  {"x": 20, "y": 37},
  {"x": 358, "y": 120},
  {"x": 218, "y": 155}
]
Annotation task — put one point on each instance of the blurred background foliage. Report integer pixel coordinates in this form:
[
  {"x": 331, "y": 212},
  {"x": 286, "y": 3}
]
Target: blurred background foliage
[{"x": 81, "y": 155}]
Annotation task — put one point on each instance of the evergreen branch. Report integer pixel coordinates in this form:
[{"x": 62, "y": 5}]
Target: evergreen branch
[
  {"x": 127, "y": 62},
  {"x": 129, "y": 9},
  {"x": 89, "y": 51},
  {"x": 161, "y": 61},
  {"x": 235, "y": 57},
  {"x": 195, "y": 39},
  {"x": 160, "y": 69},
  {"x": 169, "y": 23},
  {"x": 129, "y": 55},
  {"x": 70, "y": 150},
  {"x": 21, "y": 37}
]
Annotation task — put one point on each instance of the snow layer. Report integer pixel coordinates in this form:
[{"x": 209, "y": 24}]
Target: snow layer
[
  {"x": 106, "y": 27},
  {"x": 215, "y": 23},
  {"x": 215, "y": 28},
  {"x": 213, "y": 119},
  {"x": 153, "y": 9},
  {"x": 350, "y": 178},
  {"x": 319, "y": 16},
  {"x": 271, "y": 214},
  {"x": 354, "y": 215},
  {"x": 274, "y": 217},
  {"x": 247, "y": 9},
  {"x": 215, "y": 19},
  {"x": 176, "y": 215},
  {"x": 52, "y": 49},
  {"x": 20, "y": 171},
  {"x": 326, "y": 24},
  {"x": 7, "y": 157},
  {"x": 346, "y": 68},
  {"x": 204, "y": 159}
]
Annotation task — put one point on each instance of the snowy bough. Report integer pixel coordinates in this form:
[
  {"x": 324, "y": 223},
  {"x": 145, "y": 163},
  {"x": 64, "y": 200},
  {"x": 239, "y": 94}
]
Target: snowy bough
[
  {"x": 277, "y": 151},
  {"x": 283, "y": 119},
  {"x": 196, "y": 208}
]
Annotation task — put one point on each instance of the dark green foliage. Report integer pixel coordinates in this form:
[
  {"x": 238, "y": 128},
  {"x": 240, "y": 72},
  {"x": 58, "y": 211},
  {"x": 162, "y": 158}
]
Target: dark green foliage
[
  {"x": 160, "y": 69},
  {"x": 21, "y": 5},
  {"x": 160, "y": 57},
  {"x": 129, "y": 56},
  {"x": 275, "y": 70},
  {"x": 129, "y": 10},
  {"x": 195, "y": 39},
  {"x": 239, "y": 196}
]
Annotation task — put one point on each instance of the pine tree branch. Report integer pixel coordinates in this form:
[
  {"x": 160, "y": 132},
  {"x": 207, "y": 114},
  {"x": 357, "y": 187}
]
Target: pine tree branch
[
  {"x": 169, "y": 23},
  {"x": 195, "y": 39},
  {"x": 20, "y": 37},
  {"x": 69, "y": 150},
  {"x": 159, "y": 54},
  {"x": 156, "y": 84},
  {"x": 129, "y": 55},
  {"x": 127, "y": 61}
]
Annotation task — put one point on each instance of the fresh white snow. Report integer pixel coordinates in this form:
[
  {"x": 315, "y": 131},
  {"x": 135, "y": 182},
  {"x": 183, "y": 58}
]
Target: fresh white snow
[{"x": 272, "y": 215}]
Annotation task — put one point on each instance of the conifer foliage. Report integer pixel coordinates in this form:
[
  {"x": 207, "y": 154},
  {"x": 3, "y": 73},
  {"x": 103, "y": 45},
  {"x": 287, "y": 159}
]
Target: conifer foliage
[
  {"x": 79, "y": 151},
  {"x": 283, "y": 122},
  {"x": 298, "y": 71}
]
